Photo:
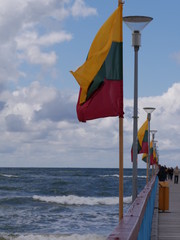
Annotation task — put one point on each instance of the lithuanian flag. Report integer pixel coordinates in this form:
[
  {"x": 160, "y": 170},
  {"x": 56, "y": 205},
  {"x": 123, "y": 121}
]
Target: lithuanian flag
[
  {"x": 144, "y": 157},
  {"x": 143, "y": 138},
  {"x": 101, "y": 76},
  {"x": 142, "y": 146},
  {"x": 153, "y": 158}
]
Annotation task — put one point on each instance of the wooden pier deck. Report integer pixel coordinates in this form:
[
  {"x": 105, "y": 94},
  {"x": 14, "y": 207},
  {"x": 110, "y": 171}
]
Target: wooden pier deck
[{"x": 169, "y": 221}]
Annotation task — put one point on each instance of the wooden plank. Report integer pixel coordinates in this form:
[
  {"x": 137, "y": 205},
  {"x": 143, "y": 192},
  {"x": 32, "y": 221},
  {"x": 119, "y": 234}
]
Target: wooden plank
[{"x": 169, "y": 221}]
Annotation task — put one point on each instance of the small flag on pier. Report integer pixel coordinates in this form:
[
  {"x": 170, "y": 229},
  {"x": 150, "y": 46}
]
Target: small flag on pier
[
  {"x": 142, "y": 140},
  {"x": 153, "y": 158}
]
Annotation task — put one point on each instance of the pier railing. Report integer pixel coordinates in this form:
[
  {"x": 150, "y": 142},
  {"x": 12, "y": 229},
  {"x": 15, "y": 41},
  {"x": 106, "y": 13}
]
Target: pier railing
[{"x": 137, "y": 222}]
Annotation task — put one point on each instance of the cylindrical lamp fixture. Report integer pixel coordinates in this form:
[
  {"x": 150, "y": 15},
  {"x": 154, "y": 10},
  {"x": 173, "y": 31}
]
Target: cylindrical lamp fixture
[
  {"x": 148, "y": 110},
  {"x": 136, "y": 39}
]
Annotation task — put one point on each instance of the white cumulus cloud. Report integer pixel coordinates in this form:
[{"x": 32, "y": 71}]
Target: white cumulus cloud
[
  {"x": 80, "y": 9},
  {"x": 29, "y": 31},
  {"x": 35, "y": 56},
  {"x": 42, "y": 121}
]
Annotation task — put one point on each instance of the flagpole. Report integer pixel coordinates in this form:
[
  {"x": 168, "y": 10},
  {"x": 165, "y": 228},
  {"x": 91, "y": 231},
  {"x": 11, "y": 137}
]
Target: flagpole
[
  {"x": 120, "y": 168},
  {"x": 120, "y": 160},
  {"x": 147, "y": 169}
]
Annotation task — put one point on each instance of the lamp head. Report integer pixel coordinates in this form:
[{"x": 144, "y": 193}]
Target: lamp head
[
  {"x": 153, "y": 131},
  {"x": 149, "y": 109},
  {"x": 153, "y": 134},
  {"x": 137, "y": 23}
]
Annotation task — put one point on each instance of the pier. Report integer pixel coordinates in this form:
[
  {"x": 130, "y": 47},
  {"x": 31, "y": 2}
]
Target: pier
[
  {"x": 169, "y": 221},
  {"x": 144, "y": 220}
]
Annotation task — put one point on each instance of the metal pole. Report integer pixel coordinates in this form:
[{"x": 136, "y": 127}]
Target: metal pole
[
  {"x": 120, "y": 160},
  {"x": 147, "y": 171},
  {"x": 133, "y": 22},
  {"x": 120, "y": 168},
  {"x": 134, "y": 192},
  {"x": 148, "y": 165},
  {"x": 154, "y": 149},
  {"x": 153, "y": 153}
]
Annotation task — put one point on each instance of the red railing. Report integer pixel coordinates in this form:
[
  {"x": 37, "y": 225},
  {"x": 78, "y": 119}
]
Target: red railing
[{"x": 136, "y": 224}]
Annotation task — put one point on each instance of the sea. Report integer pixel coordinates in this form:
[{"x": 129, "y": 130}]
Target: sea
[{"x": 62, "y": 203}]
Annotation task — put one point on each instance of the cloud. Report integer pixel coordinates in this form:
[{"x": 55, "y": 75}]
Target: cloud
[
  {"x": 24, "y": 101},
  {"x": 8, "y": 64},
  {"x": 29, "y": 32},
  {"x": 15, "y": 123},
  {"x": 30, "y": 45},
  {"x": 45, "y": 124},
  {"x": 35, "y": 56},
  {"x": 176, "y": 57},
  {"x": 39, "y": 121},
  {"x": 80, "y": 9},
  {"x": 165, "y": 120},
  {"x": 58, "y": 109},
  {"x": 32, "y": 39},
  {"x": 2, "y": 105}
]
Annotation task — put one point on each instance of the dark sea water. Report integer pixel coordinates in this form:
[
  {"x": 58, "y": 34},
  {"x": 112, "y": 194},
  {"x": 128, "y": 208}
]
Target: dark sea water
[{"x": 62, "y": 203}]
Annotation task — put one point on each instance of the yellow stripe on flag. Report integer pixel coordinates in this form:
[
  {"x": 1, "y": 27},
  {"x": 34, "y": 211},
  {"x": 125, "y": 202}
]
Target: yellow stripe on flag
[
  {"x": 141, "y": 132},
  {"x": 111, "y": 31}
]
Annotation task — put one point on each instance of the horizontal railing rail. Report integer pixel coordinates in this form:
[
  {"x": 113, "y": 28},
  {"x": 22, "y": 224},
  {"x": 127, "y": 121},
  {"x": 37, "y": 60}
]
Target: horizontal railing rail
[{"x": 137, "y": 222}]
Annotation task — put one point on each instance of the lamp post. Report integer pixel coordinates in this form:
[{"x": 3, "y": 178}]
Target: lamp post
[
  {"x": 153, "y": 134},
  {"x": 157, "y": 155},
  {"x": 148, "y": 110},
  {"x": 136, "y": 24},
  {"x": 157, "y": 152},
  {"x": 153, "y": 142}
]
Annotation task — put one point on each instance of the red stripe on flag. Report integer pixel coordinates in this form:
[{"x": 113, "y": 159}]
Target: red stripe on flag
[
  {"x": 107, "y": 101},
  {"x": 144, "y": 148}
]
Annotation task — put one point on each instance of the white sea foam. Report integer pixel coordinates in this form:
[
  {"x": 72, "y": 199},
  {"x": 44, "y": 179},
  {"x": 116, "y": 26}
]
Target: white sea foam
[
  {"x": 127, "y": 200},
  {"x": 137, "y": 176},
  {"x": 113, "y": 175},
  {"x": 56, "y": 237},
  {"x": 117, "y": 175},
  {"x": 142, "y": 176},
  {"x": 8, "y": 175},
  {"x": 76, "y": 200}
]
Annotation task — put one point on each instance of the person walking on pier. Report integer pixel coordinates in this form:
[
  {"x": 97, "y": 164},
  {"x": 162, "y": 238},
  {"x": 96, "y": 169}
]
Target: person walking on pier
[
  {"x": 176, "y": 174},
  {"x": 162, "y": 173}
]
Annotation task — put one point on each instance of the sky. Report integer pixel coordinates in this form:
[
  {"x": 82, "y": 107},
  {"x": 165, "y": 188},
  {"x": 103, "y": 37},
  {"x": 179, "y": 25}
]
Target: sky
[{"x": 41, "y": 41}]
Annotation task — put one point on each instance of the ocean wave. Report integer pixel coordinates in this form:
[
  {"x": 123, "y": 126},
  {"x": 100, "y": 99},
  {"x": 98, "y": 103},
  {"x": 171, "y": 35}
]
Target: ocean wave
[
  {"x": 112, "y": 175},
  {"x": 54, "y": 237},
  {"x": 142, "y": 176},
  {"x": 76, "y": 200},
  {"x": 127, "y": 200},
  {"x": 117, "y": 175},
  {"x": 8, "y": 175},
  {"x": 139, "y": 176}
]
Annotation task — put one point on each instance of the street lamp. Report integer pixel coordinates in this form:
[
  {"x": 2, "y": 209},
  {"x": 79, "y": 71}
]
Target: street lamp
[
  {"x": 136, "y": 24},
  {"x": 153, "y": 134},
  {"x": 157, "y": 152},
  {"x": 156, "y": 149},
  {"x": 148, "y": 110},
  {"x": 154, "y": 143},
  {"x": 153, "y": 137}
]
